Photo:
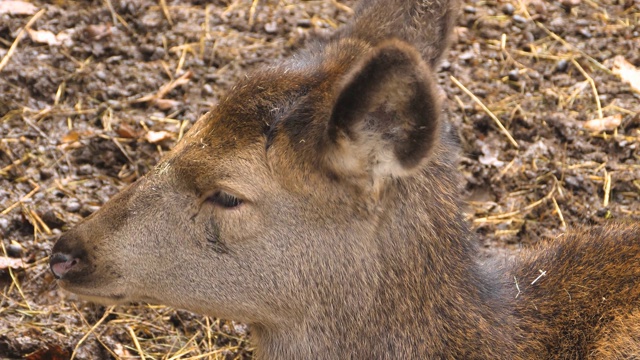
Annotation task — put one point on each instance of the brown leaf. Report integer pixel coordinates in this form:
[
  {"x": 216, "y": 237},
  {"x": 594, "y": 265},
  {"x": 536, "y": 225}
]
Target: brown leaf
[
  {"x": 570, "y": 3},
  {"x": 166, "y": 88},
  {"x": 52, "y": 352},
  {"x": 17, "y": 8},
  {"x": 97, "y": 32},
  {"x": 155, "y": 137},
  {"x": 627, "y": 72},
  {"x": 608, "y": 123},
  {"x": 7, "y": 262},
  {"x": 44, "y": 36},
  {"x": 126, "y": 131},
  {"x": 71, "y": 136},
  {"x": 166, "y": 104}
]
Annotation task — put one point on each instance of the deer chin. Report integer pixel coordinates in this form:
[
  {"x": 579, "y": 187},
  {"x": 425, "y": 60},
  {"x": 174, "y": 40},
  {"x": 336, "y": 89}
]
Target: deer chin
[{"x": 95, "y": 295}]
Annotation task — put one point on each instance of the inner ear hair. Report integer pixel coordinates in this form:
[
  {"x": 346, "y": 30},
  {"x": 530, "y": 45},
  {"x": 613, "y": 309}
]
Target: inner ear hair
[{"x": 385, "y": 118}]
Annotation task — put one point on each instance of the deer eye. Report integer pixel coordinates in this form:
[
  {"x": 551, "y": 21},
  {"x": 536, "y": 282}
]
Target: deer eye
[{"x": 225, "y": 200}]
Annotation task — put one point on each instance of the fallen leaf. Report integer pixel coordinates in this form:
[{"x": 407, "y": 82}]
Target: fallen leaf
[
  {"x": 155, "y": 137},
  {"x": 7, "y": 262},
  {"x": 52, "y": 352},
  {"x": 166, "y": 104},
  {"x": 490, "y": 156},
  {"x": 121, "y": 351},
  {"x": 44, "y": 36},
  {"x": 166, "y": 88},
  {"x": 71, "y": 136},
  {"x": 126, "y": 131},
  {"x": 99, "y": 31},
  {"x": 627, "y": 72},
  {"x": 570, "y": 3},
  {"x": 17, "y": 8},
  {"x": 605, "y": 124}
]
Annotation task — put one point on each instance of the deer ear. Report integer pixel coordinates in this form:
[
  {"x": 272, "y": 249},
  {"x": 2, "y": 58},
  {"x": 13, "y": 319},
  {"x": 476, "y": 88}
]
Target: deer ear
[{"x": 385, "y": 117}]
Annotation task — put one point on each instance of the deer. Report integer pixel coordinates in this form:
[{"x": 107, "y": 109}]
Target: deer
[{"x": 319, "y": 203}]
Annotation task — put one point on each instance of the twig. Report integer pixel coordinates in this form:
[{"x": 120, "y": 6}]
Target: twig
[
  {"x": 607, "y": 188},
  {"x": 13, "y": 278},
  {"x": 252, "y": 13},
  {"x": 135, "y": 341},
  {"x": 13, "y": 47},
  {"x": 555, "y": 204},
  {"x": 593, "y": 86},
  {"x": 558, "y": 38},
  {"x": 112, "y": 11},
  {"x": 542, "y": 273},
  {"x": 93, "y": 328},
  {"x": 17, "y": 203},
  {"x": 342, "y": 7},
  {"x": 486, "y": 109},
  {"x": 513, "y": 213},
  {"x": 565, "y": 43},
  {"x": 165, "y": 10},
  {"x": 124, "y": 152},
  {"x": 40, "y": 223},
  {"x": 166, "y": 88}
]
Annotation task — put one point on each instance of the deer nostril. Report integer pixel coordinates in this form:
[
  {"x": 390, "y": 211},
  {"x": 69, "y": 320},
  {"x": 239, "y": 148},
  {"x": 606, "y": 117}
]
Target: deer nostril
[{"x": 61, "y": 263}]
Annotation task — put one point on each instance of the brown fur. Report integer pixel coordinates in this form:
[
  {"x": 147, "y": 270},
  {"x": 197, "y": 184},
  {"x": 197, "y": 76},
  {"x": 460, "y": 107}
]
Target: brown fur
[{"x": 349, "y": 241}]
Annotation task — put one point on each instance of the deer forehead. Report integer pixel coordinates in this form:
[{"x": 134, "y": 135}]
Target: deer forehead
[{"x": 227, "y": 149}]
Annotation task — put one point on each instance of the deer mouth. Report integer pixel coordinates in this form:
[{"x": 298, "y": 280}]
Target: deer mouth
[{"x": 93, "y": 296}]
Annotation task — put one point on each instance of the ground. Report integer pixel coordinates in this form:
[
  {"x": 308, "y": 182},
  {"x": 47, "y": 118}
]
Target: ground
[{"x": 94, "y": 92}]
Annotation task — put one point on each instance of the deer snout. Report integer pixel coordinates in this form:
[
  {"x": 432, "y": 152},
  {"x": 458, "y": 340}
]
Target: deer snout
[
  {"x": 69, "y": 259},
  {"x": 60, "y": 264}
]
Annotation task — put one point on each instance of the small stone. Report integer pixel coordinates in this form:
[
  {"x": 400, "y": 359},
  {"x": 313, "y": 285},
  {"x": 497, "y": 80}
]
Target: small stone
[
  {"x": 568, "y": 4},
  {"x": 101, "y": 75},
  {"x": 88, "y": 210},
  {"x": 557, "y": 23},
  {"x": 467, "y": 56},
  {"x": 519, "y": 19},
  {"x": 14, "y": 250},
  {"x": 470, "y": 10},
  {"x": 114, "y": 104},
  {"x": 271, "y": 27},
  {"x": 528, "y": 35},
  {"x": 573, "y": 182},
  {"x": 514, "y": 75},
  {"x": 4, "y": 224},
  {"x": 585, "y": 32},
  {"x": 85, "y": 169},
  {"x": 304, "y": 23},
  {"x": 147, "y": 49},
  {"x": 207, "y": 89},
  {"x": 158, "y": 53},
  {"x": 90, "y": 184},
  {"x": 52, "y": 219},
  {"x": 46, "y": 173},
  {"x": 508, "y": 9},
  {"x": 72, "y": 206}
]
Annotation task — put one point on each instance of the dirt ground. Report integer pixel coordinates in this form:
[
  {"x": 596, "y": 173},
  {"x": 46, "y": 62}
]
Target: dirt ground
[{"x": 95, "y": 91}]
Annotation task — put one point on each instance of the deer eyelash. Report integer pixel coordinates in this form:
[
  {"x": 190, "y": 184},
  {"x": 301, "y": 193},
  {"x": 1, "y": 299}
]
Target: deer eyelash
[{"x": 224, "y": 199}]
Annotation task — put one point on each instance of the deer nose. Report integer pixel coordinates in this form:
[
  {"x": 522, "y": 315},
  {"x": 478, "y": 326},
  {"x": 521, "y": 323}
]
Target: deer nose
[{"x": 60, "y": 264}]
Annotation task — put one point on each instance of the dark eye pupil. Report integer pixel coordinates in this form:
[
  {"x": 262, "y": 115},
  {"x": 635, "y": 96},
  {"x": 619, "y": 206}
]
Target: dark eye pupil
[{"x": 225, "y": 200}]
